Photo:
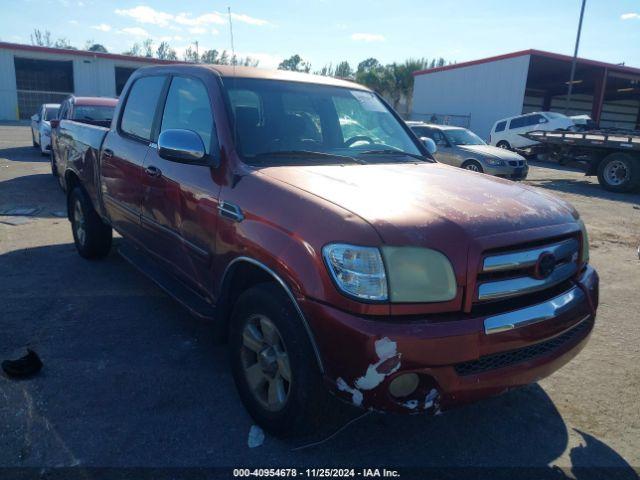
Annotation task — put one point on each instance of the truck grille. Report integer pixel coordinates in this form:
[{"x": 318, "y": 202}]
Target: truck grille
[
  {"x": 519, "y": 272},
  {"x": 513, "y": 357}
]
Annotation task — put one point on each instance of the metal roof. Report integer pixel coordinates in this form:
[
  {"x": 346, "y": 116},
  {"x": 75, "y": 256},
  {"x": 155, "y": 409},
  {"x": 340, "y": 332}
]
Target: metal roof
[
  {"x": 82, "y": 53},
  {"x": 539, "y": 53}
]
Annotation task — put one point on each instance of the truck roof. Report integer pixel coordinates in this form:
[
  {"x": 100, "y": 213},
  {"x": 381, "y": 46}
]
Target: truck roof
[
  {"x": 231, "y": 71},
  {"x": 97, "y": 101}
]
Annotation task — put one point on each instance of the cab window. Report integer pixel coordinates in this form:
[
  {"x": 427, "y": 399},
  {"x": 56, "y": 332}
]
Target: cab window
[
  {"x": 140, "y": 109},
  {"x": 188, "y": 108}
]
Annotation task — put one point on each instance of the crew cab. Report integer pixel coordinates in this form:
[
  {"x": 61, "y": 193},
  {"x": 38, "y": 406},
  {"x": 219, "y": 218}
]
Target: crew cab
[
  {"x": 340, "y": 262},
  {"x": 96, "y": 111}
]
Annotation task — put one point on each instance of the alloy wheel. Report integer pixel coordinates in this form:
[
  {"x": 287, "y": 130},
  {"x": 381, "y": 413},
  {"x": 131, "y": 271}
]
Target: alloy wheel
[
  {"x": 265, "y": 363},
  {"x": 79, "y": 223}
]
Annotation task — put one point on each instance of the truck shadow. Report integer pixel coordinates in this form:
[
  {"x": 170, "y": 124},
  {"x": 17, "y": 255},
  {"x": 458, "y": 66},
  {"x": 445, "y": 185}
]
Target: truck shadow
[
  {"x": 23, "y": 154},
  {"x": 39, "y": 191},
  {"x": 131, "y": 379}
]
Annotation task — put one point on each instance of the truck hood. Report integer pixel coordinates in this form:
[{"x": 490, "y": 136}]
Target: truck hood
[
  {"x": 489, "y": 151},
  {"x": 416, "y": 203}
]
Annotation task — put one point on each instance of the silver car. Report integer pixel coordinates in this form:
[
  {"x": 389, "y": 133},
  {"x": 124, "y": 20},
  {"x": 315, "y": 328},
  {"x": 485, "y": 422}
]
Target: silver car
[{"x": 462, "y": 148}]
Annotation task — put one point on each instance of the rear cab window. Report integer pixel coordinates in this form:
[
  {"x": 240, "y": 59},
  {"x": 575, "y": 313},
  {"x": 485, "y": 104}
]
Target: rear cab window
[{"x": 140, "y": 109}]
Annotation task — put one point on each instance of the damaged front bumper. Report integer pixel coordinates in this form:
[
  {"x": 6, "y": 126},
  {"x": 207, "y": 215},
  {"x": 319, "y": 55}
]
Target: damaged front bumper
[{"x": 457, "y": 360}]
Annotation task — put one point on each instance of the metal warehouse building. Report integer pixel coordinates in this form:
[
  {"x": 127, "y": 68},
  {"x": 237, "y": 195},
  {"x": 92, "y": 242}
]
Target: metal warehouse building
[
  {"x": 475, "y": 94},
  {"x": 31, "y": 76}
]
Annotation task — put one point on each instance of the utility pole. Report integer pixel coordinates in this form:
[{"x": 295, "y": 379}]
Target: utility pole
[
  {"x": 574, "y": 61},
  {"x": 197, "y": 52}
]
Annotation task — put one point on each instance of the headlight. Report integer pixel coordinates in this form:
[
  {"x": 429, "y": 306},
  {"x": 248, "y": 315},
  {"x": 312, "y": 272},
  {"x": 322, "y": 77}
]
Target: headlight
[
  {"x": 419, "y": 275},
  {"x": 585, "y": 242},
  {"x": 494, "y": 162},
  {"x": 358, "y": 271}
]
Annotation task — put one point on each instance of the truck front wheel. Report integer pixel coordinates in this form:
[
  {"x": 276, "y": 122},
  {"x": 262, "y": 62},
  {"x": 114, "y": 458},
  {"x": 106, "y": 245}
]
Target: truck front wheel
[
  {"x": 91, "y": 235},
  {"x": 619, "y": 172},
  {"x": 273, "y": 363}
]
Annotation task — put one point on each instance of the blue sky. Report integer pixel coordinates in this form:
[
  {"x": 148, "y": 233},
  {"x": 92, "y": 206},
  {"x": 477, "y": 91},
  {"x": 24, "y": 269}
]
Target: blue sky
[{"x": 324, "y": 31}]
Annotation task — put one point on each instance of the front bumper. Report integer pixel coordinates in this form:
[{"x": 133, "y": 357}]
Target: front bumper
[
  {"x": 509, "y": 172},
  {"x": 457, "y": 360}
]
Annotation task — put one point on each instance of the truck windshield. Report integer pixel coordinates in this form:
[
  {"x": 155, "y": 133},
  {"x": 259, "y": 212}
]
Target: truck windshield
[
  {"x": 277, "y": 122},
  {"x": 463, "y": 137}
]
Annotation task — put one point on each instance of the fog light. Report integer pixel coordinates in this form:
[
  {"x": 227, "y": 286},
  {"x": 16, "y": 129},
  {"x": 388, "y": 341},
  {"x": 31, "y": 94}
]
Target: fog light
[{"x": 404, "y": 385}]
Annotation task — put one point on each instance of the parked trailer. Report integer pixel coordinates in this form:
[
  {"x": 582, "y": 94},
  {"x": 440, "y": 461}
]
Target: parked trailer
[{"x": 613, "y": 156}]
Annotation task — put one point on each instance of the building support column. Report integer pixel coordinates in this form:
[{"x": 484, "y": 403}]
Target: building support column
[
  {"x": 598, "y": 97},
  {"x": 546, "y": 101}
]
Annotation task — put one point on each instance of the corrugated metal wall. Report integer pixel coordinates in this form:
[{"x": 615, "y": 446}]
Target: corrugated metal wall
[
  {"x": 92, "y": 76},
  {"x": 484, "y": 93}
]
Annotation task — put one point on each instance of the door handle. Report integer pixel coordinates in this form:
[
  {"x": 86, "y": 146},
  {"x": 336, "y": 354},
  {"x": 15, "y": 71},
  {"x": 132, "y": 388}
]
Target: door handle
[
  {"x": 153, "y": 171},
  {"x": 107, "y": 154}
]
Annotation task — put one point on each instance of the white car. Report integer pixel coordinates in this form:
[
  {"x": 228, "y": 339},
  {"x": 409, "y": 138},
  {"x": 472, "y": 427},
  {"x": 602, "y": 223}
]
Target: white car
[
  {"x": 506, "y": 132},
  {"x": 41, "y": 128}
]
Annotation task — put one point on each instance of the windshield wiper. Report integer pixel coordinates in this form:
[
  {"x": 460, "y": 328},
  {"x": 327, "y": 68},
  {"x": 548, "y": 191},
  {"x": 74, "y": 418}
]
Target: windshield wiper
[
  {"x": 306, "y": 154},
  {"x": 393, "y": 151}
]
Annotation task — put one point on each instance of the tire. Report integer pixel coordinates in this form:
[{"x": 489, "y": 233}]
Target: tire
[
  {"x": 619, "y": 172},
  {"x": 33, "y": 139},
  {"x": 473, "y": 166},
  {"x": 43, "y": 152},
  {"x": 503, "y": 144},
  {"x": 54, "y": 168},
  {"x": 303, "y": 401},
  {"x": 91, "y": 235}
]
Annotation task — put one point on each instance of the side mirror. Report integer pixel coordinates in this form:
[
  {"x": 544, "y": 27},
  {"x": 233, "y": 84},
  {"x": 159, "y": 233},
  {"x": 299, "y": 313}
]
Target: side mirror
[
  {"x": 55, "y": 123},
  {"x": 179, "y": 145},
  {"x": 430, "y": 144}
]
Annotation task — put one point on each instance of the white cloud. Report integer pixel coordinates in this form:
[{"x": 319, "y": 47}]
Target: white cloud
[
  {"x": 266, "y": 60},
  {"x": 367, "y": 37},
  {"x": 135, "y": 31},
  {"x": 103, "y": 27},
  {"x": 629, "y": 16},
  {"x": 197, "y": 30},
  {"x": 73, "y": 22},
  {"x": 215, "y": 31},
  {"x": 144, "y": 14},
  {"x": 241, "y": 17}
]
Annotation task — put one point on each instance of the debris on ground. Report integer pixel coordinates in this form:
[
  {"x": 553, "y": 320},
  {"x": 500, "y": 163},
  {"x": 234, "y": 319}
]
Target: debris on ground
[
  {"x": 15, "y": 221},
  {"x": 20, "y": 211},
  {"x": 24, "y": 367},
  {"x": 256, "y": 436}
]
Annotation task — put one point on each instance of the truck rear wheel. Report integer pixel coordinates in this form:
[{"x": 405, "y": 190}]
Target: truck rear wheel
[
  {"x": 273, "y": 363},
  {"x": 91, "y": 235},
  {"x": 619, "y": 172}
]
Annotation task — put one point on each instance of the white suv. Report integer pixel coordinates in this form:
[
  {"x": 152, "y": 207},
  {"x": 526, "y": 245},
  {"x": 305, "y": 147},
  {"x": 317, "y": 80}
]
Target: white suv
[{"x": 506, "y": 132}]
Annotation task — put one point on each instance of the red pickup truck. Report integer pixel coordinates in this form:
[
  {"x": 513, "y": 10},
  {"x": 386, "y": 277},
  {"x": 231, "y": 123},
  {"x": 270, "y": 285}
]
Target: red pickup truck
[{"x": 303, "y": 217}]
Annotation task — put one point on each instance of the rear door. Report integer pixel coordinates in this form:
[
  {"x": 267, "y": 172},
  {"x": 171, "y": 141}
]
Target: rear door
[
  {"x": 124, "y": 151},
  {"x": 517, "y": 126},
  {"x": 179, "y": 213}
]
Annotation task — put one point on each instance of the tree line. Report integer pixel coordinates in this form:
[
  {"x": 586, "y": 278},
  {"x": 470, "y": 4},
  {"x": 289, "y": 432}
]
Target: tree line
[{"x": 394, "y": 80}]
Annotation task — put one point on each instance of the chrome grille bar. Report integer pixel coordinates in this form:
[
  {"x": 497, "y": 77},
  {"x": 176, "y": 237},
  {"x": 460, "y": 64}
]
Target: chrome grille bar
[
  {"x": 528, "y": 258},
  {"x": 523, "y": 285}
]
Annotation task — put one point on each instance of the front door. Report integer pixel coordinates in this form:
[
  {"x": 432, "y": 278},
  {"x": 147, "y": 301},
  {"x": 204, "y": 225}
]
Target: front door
[
  {"x": 124, "y": 152},
  {"x": 179, "y": 214}
]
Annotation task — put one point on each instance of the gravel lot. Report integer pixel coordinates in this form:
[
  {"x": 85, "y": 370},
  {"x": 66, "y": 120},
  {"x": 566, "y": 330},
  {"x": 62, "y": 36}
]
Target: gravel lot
[{"x": 130, "y": 379}]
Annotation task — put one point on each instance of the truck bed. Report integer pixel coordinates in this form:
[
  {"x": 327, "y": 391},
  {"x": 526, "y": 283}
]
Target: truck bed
[
  {"x": 82, "y": 143},
  {"x": 591, "y": 138}
]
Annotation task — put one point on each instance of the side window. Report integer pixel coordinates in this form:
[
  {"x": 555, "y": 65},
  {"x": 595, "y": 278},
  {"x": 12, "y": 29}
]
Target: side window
[
  {"x": 538, "y": 119},
  {"x": 500, "y": 126},
  {"x": 438, "y": 137},
  {"x": 519, "y": 122},
  {"x": 188, "y": 108},
  {"x": 140, "y": 109}
]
